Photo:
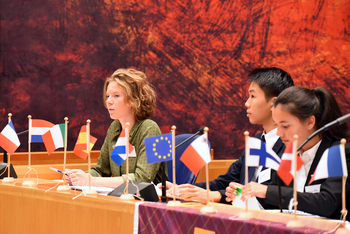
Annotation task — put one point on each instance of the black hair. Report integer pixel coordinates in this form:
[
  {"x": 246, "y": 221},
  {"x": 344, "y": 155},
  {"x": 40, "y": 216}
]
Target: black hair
[
  {"x": 319, "y": 102},
  {"x": 271, "y": 80}
]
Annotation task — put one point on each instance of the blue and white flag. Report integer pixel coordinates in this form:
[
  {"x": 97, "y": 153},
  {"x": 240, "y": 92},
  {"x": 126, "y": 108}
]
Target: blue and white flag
[
  {"x": 260, "y": 155},
  {"x": 119, "y": 153},
  {"x": 331, "y": 164}
]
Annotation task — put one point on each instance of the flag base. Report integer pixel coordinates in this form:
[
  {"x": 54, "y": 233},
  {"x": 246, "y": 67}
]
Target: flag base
[
  {"x": 174, "y": 204},
  {"x": 295, "y": 224},
  {"x": 246, "y": 215},
  {"x": 208, "y": 210},
  {"x": 90, "y": 192},
  {"x": 341, "y": 230},
  {"x": 8, "y": 180},
  {"x": 63, "y": 188},
  {"x": 127, "y": 197},
  {"x": 28, "y": 183}
]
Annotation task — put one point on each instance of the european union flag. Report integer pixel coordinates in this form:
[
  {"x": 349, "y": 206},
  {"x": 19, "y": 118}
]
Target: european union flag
[{"x": 159, "y": 148}]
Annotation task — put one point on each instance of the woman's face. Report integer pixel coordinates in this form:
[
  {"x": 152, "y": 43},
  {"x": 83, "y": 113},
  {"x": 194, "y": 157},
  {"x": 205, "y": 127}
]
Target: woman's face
[
  {"x": 116, "y": 103},
  {"x": 289, "y": 125}
]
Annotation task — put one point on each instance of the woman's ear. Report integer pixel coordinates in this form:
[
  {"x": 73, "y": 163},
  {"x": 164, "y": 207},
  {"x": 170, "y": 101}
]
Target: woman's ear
[{"x": 311, "y": 122}]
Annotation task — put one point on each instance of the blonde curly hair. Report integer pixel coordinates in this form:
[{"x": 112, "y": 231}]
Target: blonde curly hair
[{"x": 140, "y": 94}]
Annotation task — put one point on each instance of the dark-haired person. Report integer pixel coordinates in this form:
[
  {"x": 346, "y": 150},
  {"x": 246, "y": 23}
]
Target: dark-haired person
[
  {"x": 302, "y": 111},
  {"x": 265, "y": 85},
  {"x": 129, "y": 97}
]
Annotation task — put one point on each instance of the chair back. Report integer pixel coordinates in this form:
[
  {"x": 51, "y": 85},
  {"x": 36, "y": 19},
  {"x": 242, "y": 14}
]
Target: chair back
[{"x": 183, "y": 174}]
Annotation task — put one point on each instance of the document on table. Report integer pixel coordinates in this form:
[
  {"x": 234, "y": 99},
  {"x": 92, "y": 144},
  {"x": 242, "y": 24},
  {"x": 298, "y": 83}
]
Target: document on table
[{"x": 97, "y": 189}]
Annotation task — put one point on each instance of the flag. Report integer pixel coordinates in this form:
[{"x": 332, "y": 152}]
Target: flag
[
  {"x": 331, "y": 164},
  {"x": 8, "y": 138},
  {"x": 37, "y": 127},
  {"x": 80, "y": 148},
  {"x": 119, "y": 153},
  {"x": 197, "y": 154},
  {"x": 159, "y": 148},
  {"x": 260, "y": 155},
  {"x": 286, "y": 168},
  {"x": 54, "y": 138}
]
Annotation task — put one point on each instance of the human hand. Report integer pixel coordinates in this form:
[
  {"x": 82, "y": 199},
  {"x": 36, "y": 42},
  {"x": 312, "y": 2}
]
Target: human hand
[
  {"x": 190, "y": 192},
  {"x": 231, "y": 191},
  {"x": 77, "y": 177},
  {"x": 168, "y": 185},
  {"x": 254, "y": 189}
]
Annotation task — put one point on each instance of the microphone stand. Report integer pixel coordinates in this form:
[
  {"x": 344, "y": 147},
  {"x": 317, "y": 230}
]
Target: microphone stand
[
  {"x": 200, "y": 131},
  {"x": 339, "y": 121}
]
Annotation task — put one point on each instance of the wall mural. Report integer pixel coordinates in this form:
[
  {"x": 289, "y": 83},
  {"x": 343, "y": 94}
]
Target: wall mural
[{"x": 56, "y": 54}]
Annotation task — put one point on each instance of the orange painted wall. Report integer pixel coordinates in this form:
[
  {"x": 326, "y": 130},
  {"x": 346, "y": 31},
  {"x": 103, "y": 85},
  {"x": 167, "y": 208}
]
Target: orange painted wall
[{"x": 56, "y": 54}]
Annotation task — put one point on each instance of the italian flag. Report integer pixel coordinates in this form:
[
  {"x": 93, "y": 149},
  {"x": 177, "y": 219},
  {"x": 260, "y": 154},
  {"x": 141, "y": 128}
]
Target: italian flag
[{"x": 54, "y": 138}]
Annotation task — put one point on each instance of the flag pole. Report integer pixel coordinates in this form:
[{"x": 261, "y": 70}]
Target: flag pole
[
  {"x": 65, "y": 186},
  {"x": 8, "y": 179},
  {"x": 246, "y": 214},
  {"x": 126, "y": 195},
  {"x": 295, "y": 223},
  {"x": 9, "y": 157},
  {"x": 173, "y": 203},
  {"x": 89, "y": 191},
  {"x": 29, "y": 183},
  {"x": 207, "y": 209},
  {"x": 343, "y": 211}
]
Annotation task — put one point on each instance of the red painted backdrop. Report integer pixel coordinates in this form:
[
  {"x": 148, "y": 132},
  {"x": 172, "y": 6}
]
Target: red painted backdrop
[{"x": 56, "y": 54}]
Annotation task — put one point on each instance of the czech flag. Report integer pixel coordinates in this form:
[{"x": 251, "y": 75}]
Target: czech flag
[
  {"x": 331, "y": 164},
  {"x": 119, "y": 153},
  {"x": 197, "y": 154},
  {"x": 8, "y": 138}
]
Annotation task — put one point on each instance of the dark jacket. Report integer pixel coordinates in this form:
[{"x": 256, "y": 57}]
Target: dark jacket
[
  {"x": 236, "y": 172},
  {"x": 326, "y": 203}
]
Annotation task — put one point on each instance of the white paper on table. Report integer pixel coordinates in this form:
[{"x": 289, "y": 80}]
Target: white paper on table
[{"x": 253, "y": 203}]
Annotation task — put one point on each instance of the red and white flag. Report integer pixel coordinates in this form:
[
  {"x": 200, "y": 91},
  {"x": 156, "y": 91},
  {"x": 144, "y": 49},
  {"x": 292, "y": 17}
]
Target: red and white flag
[
  {"x": 286, "y": 168},
  {"x": 197, "y": 154}
]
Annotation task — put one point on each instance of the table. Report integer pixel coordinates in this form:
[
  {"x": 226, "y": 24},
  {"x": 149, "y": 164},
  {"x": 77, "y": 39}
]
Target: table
[
  {"x": 32, "y": 210},
  {"x": 158, "y": 218}
]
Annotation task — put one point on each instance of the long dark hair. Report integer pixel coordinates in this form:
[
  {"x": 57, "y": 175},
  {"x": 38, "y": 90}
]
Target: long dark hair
[{"x": 319, "y": 102}]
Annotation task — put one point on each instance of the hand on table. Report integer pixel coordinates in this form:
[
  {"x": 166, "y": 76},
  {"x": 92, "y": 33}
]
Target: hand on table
[{"x": 77, "y": 177}]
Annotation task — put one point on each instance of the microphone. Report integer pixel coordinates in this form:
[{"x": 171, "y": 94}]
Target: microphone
[
  {"x": 339, "y": 121},
  {"x": 200, "y": 131}
]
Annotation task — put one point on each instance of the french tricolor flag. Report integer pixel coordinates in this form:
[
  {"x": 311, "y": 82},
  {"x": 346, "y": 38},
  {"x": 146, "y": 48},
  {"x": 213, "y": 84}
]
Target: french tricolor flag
[
  {"x": 331, "y": 164},
  {"x": 8, "y": 138},
  {"x": 119, "y": 153},
  {"x": 37, "y": 127}
]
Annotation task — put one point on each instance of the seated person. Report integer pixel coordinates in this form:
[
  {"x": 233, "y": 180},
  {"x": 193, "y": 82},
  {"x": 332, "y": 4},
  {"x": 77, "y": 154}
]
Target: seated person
[
  {"x": 265, "y": 85},
  {"x": 302, "y": 111},
  {"x": 129, "y": 97}
]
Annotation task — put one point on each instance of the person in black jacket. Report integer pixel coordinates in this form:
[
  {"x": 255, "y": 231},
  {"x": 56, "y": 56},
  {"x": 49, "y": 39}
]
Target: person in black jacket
[
  {"x": 265, "y": 85},
  {"x": 302, "y": 111}
]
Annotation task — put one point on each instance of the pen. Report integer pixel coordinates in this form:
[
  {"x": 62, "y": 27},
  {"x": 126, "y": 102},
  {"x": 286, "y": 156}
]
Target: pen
[{"x": 54, "y": 169}]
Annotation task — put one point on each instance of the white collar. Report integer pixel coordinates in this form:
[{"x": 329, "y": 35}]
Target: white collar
[{"x": 271, "y": 137}]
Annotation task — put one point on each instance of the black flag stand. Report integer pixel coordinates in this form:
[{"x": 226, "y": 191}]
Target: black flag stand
[{"x": 163, "y": 182}]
